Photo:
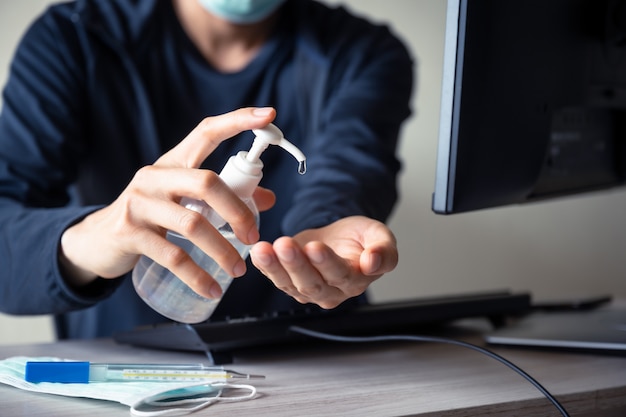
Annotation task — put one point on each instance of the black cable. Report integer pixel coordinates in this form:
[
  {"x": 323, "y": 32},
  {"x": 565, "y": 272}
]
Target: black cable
[{"x": 431, "y": 339}]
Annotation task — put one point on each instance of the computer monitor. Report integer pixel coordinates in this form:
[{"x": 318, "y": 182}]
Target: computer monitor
[{"x": 533, "y": 101}]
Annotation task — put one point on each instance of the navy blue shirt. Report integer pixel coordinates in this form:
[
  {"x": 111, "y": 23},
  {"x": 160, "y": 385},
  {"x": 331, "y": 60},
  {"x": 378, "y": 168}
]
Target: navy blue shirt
[{"x": 98, "y": 89}]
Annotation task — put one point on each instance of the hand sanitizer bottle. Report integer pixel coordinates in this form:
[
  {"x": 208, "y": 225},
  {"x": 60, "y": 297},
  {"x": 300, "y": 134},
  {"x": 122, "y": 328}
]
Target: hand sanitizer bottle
[{"x": 165, "y": 292}]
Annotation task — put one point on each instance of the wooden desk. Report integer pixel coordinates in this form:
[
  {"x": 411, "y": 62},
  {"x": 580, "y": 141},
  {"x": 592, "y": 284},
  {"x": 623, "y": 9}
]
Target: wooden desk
[{"x": 384, "y": 379}]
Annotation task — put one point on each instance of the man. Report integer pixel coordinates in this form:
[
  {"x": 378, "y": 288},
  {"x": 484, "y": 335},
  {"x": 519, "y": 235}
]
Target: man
[{"x": 92, "y": 165}]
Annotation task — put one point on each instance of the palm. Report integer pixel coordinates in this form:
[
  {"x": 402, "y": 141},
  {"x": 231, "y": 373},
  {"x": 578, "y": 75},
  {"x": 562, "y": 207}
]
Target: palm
[{"x": 345, "y": 238}]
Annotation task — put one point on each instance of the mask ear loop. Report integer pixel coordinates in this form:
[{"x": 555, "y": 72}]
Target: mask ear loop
[{"x": 201, "y": 402}]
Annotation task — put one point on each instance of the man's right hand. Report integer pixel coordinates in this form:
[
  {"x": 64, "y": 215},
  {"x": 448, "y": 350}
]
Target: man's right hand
[{"x": 108, "y": 242}]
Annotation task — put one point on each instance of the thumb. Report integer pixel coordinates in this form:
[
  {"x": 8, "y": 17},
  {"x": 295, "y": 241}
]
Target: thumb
[
  {"x": 380, "y": 251},
  {"x": 211, "y": 131},
  {"x": 378, "y": 261}
]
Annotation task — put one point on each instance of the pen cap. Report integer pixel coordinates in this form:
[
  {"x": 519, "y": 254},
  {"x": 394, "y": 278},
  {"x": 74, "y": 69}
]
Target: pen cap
[{"x": 64, "y": 372}]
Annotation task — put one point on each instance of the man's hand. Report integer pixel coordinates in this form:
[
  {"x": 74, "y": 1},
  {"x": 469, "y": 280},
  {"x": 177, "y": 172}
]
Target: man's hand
[
  {"x": 108, "y": 242},
  {"x": 328, "y": 265}
]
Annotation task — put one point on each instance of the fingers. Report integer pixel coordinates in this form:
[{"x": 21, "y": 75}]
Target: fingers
[
  {"x": 178, "y": 262},
  {"x": 206, "y": 136},
  {"x": 330, "y": 264},
  {"x": 159, "y": 185},
  {"x": 264, "y": 198},
  {"x": 194, "y": 227},
  {"x": 336, "y": 271},
  {"x": 313, "y": 275}
]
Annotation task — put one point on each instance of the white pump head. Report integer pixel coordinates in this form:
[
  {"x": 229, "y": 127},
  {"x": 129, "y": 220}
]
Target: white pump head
[
  {"x": 243, "y": 171},
  {"x": 271, "y": 135}
]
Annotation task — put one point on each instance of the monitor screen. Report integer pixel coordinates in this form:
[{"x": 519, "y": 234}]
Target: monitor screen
[{"x": 533, "y": 101}]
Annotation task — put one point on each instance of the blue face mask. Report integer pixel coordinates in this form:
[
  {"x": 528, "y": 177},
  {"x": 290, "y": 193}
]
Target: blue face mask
[{"x": 241, "y": 11}]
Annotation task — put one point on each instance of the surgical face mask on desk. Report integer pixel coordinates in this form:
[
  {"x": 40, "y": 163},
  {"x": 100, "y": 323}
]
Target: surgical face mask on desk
[{"x": 143, "y": 398}]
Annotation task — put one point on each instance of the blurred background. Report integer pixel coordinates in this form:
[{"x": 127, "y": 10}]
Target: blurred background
[{"x": 572, "y": 247}]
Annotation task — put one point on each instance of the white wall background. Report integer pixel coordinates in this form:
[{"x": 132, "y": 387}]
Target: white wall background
[{"x": 574, "y": 246}]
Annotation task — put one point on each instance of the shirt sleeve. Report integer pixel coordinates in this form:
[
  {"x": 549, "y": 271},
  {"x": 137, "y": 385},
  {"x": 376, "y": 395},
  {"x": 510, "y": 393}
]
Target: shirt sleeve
[
  {"x": 365, "y": 89},
  {"x": 39, "y": 126}
]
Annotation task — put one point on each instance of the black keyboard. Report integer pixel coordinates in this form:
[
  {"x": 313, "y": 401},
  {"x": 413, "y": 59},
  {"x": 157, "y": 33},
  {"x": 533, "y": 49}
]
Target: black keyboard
[{"x": 220, "y": 337}]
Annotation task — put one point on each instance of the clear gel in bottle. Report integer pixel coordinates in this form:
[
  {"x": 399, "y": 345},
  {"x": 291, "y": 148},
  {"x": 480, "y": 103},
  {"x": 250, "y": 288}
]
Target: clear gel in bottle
[{"x": 164, "y": 291}]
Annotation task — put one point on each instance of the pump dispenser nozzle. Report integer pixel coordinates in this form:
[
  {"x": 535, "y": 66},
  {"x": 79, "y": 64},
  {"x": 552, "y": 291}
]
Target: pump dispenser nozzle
[
  {"x": 271, "y": 135},
  {"x": 243, "y": 171}
]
